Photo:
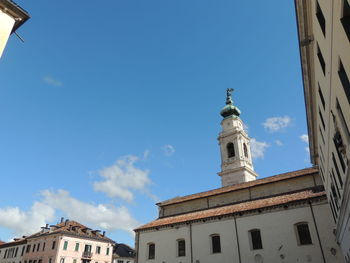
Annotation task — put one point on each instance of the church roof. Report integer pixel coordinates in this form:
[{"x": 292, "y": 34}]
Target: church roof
[
  {"x": 268, "y": 202},
  {"x": 222, "y": 190}
]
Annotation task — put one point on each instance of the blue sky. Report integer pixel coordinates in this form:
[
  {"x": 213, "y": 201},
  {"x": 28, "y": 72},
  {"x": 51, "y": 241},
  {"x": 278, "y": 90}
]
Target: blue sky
[{"x": 111, "y": 106}]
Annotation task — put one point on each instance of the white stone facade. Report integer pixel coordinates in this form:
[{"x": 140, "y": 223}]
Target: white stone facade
[
  {"x": 11, "y": 17},
  {"x": 324, "y": 36},
  {"x": 236, "y": 159},
  {"x": 278, "y": 235}
]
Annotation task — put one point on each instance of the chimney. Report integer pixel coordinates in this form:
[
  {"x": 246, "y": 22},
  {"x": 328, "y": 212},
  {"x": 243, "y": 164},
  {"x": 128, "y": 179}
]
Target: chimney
[
  {"x": 103, "y": 233},
  {"x": 65, "y": 222},
  {"x": 62, "y": 219},
  {"x": 47, "y": 226}
]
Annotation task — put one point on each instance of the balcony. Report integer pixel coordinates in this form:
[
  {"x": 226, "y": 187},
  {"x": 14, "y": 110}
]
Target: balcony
[{"x": 87, "y": 254}]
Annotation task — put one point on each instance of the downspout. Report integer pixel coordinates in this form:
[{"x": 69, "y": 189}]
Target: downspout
[
  {"x": 191, "y": 242},
  {"x": 238, "y": 248},
  {"x": 318, "y": 235},
  {"x": 137, "y": 240}
]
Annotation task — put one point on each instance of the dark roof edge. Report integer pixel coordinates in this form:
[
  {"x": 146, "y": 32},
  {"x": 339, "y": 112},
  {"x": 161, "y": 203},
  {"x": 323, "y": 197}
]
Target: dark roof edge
[
  {"x": 18, "y": 13},
  {"x": 13, "y": 243}
]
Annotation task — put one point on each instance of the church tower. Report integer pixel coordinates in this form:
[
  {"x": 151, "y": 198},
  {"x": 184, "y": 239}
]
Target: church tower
[{"x": 236, "y": 159}]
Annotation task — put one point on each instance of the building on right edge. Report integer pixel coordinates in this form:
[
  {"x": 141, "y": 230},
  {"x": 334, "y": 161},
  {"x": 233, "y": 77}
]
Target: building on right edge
[
  {"x": 324, "y": 42},
  {"x": 12, "y": 16}
]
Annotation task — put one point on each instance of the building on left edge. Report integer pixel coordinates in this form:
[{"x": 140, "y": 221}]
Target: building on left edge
[
  {"x": 65, "y": 242},
  {"x": 12, "y": 16}
]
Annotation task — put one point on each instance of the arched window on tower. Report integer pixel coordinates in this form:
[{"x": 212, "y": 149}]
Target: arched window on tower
[
  {"x": 230, "y": 150},
  {"x": 245, "y": 149}
]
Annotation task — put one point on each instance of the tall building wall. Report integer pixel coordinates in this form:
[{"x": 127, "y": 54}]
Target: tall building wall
[{"x": 324, "y": 39}]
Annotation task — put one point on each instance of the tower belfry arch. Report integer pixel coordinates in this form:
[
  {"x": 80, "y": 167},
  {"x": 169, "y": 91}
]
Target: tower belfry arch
[{"x": 236, "y": 160}]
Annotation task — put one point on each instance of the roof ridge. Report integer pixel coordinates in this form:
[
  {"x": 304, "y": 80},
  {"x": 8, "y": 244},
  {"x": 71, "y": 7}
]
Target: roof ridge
[{"x": 239, "y": 186}]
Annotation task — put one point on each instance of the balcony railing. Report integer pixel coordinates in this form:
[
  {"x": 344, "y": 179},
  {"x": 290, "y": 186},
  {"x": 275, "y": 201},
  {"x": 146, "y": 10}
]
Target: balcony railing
[{"x": 87, "y": 254}]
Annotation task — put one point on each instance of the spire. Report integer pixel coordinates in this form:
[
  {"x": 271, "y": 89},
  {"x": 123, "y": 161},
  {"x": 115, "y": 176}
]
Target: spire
[{"x": 229, "y": 110}]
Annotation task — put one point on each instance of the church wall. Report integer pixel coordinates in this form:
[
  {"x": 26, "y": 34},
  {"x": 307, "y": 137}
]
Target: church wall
[
  {"x": 202, "y": 251},
  {"x": 254, "y": 192},
  {"x": 227, "y": 198},
  {"x": 278, "y": 234},
  {"x": 282, "y": 186},
  {"x": 165, "y": 241},
  {"x": 196, "y": 204}
]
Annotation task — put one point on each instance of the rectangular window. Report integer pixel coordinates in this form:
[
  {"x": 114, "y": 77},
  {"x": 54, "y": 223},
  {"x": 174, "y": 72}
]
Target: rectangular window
[
  {"x": 321, "y": 118},
  {"x": 321, "y": 60},
  {"x": 44, "y": 246},
  {"x": 98, "y": 250},
  {"x": 181, "y": 248},
  {"x": 321, "y": 19},
  {"x": 5, "y": 253},
  {"x": 151, "y": 251},
  {"x": 342, "y": 118},
  {"x": 65, "y": 245},
  {"x": 255, "y": 238},
  {"x": 23, "y": 249},
  {"x": 335, "y": 182},
  {"x": 345, "y": 20},
  {"x": 216, "y": 245},
  {"x": 344, "y": 79},
  {"x": 334, "y": 211},
  {"x": 322, "y": 137},
  {"x": 335, "y": 197},
  {"x": 33, "y": 247},
  {"x": 338, "y": 144},
  {"x": 28, "y": 249},
  {"x": 76, "y": 247},
  {"x": 53, "y": 244},
  {"x": 74, "y": 260},
  {"x": 321, "y": 97},
  {"x": 107, "y": 251},
  {"x": 50, "y": 260},
  {"x": 16, "y": 252},
  {"x": 304, "y": 236},
  {"x": 62, "y": 260},
  {"x": 337, "y": 170},
  {"x": 38, "y": 247},
  {"x": 120, "y": 261}
]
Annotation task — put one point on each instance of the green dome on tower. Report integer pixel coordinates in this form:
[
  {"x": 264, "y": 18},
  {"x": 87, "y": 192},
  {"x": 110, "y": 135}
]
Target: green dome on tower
[{"x": 229, "y": 109}]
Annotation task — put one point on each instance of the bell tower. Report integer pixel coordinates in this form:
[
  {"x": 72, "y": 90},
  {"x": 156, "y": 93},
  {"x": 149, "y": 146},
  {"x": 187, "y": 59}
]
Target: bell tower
[{"x": 236, "y": 159}]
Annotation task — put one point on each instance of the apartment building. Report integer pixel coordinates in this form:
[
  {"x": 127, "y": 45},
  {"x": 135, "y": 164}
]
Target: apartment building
[
  {"x": 66, "y": 242},
  {"x": 324, "y": 41},
  {"x": 12, "y": 252},
  {"x": 12, "y": 16}
]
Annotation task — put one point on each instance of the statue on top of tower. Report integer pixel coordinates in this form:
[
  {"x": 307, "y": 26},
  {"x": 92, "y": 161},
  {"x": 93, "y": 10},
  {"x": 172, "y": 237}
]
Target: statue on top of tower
[{"x": 230, "y": 110}]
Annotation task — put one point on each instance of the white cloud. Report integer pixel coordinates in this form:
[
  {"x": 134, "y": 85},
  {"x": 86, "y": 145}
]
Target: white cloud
[
  {"x": 146, "y": 154},
  {"x": 258, "y": 148},
  {"x": 168, "y": 150},
  {"x": 103, "y": 216},
  {"x": 26, "y": 222},
  {"x": 275, "y": 124},
  {"x": 52, "y": 81},
  {"x": 304, "y": 138},
  {"x": 121, "y": 178},
  {"x": 278, "y": 143}
]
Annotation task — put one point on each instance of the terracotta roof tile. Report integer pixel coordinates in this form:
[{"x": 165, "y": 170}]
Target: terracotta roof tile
[
  {"x": 75, "y": 228},
  {"x": 236, "y": 187},
  {"x": 234, "y": 208}
]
